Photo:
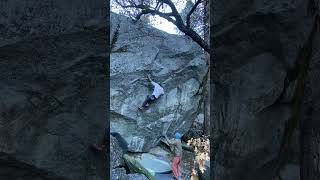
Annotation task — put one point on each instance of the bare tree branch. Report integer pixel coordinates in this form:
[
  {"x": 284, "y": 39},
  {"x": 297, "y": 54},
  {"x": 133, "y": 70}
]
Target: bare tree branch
[
  {"x": 155, "y": 12},
  {"x": 194, "y": 36},
  {"x": 191, "y": 11},
  {"x": 140, "y": 6},
  {"x": 173, "y": 9},
  {"x": 186, "y": 29},
  {"x": 171, "y": 5}
]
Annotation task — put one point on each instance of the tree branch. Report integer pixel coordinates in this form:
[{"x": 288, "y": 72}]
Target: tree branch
[
  {"x": 171, "y": 5},
  {"x": 155, "y": 12},
  {"x": 174, "y": 10},
  {"x": 191, "y": 11},
  {"x": 139, "y": 6},
  {"x": 194, "y": 36},
  {"x": 145, "y": 9}
]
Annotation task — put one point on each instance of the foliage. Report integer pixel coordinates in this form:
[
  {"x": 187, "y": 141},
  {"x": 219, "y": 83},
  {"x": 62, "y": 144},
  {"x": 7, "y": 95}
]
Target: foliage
[
  {"x": 202, "y": 150},
  {"x": 196, "y": 19}
]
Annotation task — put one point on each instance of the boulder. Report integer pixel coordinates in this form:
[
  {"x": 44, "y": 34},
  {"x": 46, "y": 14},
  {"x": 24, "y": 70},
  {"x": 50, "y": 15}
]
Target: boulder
[
  {"x": 290, "y": 172},
  {"x": 118, "y": 174},
  {"x": 136, "y": 177},
  {"x": 196, "y": 130},
  {"x": 174, "y": 61},
  {"x": 116, "y": 153},
  {"x": 256, "y": 44},
  {"x": 187, "y": 164},
  {"x": 53, "y": 89},
  {"x": 27, "y": 19}
]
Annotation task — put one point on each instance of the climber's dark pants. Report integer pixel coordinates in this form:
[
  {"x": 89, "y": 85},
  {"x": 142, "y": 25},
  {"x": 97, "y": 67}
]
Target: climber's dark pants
[{"x": 149, "y": 100}]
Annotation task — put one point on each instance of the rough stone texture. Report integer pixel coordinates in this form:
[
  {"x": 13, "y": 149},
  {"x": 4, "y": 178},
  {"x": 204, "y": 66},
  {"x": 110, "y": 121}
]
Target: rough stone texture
[
  {"x": 115, "y": 153},
  {"x": 290, "y": 172},
  {"x": 136, "y": 177},
  {"x": 196, "y": 130},
  {"x": 118, "y": 174},
  {"x": 53, "y": 89},
  {"x": 186, "y": 164},
  {"x": 256, "y": 43},
  {"x": 310, "y": 102},
  {"x": 28, "y": 19},
  {"x": 175, "y": 61}
]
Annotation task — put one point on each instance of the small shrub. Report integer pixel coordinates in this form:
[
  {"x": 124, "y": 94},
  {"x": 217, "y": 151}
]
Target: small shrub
[{"x": 201, "y": 148}]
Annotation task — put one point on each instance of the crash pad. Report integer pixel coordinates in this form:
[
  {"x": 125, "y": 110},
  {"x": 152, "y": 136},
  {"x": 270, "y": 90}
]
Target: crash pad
[
  {"x": 135, "y": 167},
  {"x": 154, "y": 165}
]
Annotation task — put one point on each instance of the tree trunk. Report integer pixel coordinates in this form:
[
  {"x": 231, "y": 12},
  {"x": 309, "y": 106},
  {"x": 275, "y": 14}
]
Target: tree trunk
[
  {"x": 310, "y": 111},
  {"x": 206, "y": 95}
]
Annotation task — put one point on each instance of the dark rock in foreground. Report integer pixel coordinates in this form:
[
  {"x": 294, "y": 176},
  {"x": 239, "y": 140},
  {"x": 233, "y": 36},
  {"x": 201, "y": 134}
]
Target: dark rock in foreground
[
  {"x": 256, "y": 46},
  {"x": 53, "y": 90}
]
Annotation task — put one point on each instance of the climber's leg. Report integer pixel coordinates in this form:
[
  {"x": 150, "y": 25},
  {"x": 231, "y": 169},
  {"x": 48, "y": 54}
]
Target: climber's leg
[
  {"x": 175, "y": 166},
  {"x": 145, "y": 103},
  {"x": 148, "y": 101},
  {"x": 178, "y": 167}
]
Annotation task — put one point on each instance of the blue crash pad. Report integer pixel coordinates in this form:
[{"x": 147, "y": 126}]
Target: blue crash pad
[{"x": 152, "y": 164}]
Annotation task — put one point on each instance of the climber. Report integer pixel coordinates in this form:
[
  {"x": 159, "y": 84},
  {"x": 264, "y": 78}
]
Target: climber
[
  {"x": 157, "y": 92},
  {"x": 176, "y": 145}
]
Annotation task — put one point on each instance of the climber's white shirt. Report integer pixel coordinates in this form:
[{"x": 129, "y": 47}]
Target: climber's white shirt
[{"x": 158, "y": 90}]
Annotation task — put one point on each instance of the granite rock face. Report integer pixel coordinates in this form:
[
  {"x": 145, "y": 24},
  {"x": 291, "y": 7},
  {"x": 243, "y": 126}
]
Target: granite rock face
[
  {"x": 256, "y": 45},
  {"x": 52, "y": 86},
  {"x": 29, "y": 19},
  {"x": 120, "y": 174},
  {"x": 115, "y": 153},
  {"x": 174, "y": 61}
]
